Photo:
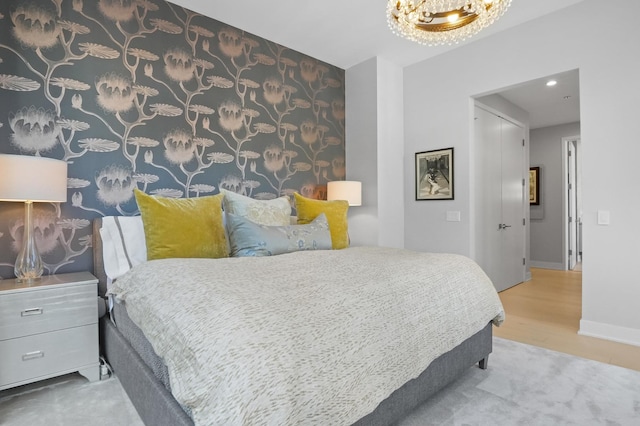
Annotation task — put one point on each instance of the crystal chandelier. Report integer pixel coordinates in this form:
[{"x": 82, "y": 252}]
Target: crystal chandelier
[{"x": 438, "y": 22}]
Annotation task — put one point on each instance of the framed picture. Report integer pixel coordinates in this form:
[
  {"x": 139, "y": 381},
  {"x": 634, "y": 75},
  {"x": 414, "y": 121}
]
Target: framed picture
[
  {"x": 434, "y": 175},
  {"x": 534, "y": 186}
]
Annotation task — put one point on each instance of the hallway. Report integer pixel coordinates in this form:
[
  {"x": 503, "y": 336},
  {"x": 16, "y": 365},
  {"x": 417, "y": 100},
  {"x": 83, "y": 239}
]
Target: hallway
[{"x": 546, "y": 312}]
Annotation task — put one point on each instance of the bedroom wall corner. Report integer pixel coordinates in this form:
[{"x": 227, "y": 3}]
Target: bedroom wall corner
[
  {"x": 361, "y": 152},
  {"x": 375, "y": 151},
  {"x": 390, "y": 154}
]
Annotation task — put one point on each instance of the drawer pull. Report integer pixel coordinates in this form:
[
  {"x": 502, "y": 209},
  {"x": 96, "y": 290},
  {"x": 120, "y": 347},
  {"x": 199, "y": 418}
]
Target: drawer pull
[
  {"x": 32, "y": 355},
  {"x": 32, "y": 311}
]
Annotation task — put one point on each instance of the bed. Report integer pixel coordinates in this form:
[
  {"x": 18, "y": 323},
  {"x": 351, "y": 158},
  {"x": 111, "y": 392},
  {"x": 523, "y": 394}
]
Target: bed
[{"x": 379, "y": 396}]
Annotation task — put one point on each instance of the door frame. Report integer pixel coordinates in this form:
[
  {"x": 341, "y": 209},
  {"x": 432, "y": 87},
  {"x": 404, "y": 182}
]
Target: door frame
[{"x": 566, "y": 141}]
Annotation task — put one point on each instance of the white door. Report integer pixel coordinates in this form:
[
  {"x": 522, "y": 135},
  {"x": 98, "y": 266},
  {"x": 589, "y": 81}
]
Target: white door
[
  {"x": 499, "y": 205},
  {"x": 513, "y": 196}
]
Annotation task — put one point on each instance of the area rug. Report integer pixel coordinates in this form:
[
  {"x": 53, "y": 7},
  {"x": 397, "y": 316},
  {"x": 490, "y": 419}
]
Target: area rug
[
  {"x": 68, "y": 400},
  {"x": 524, "y": 385},
  {"x": 527, "y": 385}
]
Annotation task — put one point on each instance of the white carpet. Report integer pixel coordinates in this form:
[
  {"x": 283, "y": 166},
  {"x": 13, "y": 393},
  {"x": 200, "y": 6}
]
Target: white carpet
[
  {"x": 68, "y": 400},
  {"x": 527, "y": 385},
  {"x": 524, "y": 385}
]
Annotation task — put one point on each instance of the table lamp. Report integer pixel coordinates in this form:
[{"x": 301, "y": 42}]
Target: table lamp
[
  {"x": 349, "y": 190},
  {"x": 31, "y": 179}
]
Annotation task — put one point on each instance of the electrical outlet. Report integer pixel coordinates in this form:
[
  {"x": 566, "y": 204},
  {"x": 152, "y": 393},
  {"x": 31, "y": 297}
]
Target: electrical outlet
[
  {"x": 104, "y": 372},
  {"x": 604, "y": 217}
]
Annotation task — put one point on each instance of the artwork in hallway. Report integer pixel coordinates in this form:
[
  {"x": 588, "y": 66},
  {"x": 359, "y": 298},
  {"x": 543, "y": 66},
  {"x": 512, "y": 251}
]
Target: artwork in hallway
[
  {"x": 149, "y": 95},
  {"x": 534, "y": 186}
]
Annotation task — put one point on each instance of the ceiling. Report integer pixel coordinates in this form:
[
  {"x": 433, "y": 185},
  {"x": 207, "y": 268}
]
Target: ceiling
[
  {"x": 548, "y": 106},
  {"x": 346, "y": 33}
]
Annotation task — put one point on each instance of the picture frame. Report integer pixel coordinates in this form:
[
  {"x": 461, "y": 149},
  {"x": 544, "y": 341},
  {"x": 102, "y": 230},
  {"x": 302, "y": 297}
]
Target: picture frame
[
  {"x": 434, "y": 175},
  {"x": 534, "y": 186}
]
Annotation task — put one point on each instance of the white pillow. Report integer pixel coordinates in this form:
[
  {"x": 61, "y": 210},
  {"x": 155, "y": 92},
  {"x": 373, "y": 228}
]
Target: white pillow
[
  {"x": 276, "y": 212},
  {"x": 123, "y": 244}
]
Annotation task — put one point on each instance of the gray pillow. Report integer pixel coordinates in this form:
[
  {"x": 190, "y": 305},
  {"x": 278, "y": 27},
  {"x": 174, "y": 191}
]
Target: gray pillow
[{"x": 247, "y": 238}]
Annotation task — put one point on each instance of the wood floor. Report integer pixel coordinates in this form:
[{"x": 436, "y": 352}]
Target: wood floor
[{"x": 546, "y": 312}]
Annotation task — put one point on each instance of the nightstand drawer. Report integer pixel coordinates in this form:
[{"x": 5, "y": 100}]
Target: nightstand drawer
[
  {"x": 39, "y": 311},
  {"x": 46, "y": 355}
]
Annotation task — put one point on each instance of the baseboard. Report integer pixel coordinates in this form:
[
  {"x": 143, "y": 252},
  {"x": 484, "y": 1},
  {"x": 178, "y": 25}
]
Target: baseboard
[
  {"x": 629, "y": 336},
  {"x": 547, "y": 265}
]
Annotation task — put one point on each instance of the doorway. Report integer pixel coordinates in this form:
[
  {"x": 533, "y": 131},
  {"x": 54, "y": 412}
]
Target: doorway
[
  {"x": 552, "y": 115},
  {"x": 573, "y": 203}
]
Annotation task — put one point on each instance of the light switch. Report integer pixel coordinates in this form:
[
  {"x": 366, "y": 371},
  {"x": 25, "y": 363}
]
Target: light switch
[
  {"x": 453, "y": 216},
  {"x": 604, "y": 217}
]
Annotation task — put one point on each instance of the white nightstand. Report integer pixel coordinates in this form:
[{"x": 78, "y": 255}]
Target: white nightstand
[{"x": 48, "y": 327}]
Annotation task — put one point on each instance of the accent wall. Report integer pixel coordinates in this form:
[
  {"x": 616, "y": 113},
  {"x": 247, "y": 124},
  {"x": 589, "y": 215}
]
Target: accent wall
[{"x": 146, "y": 94}]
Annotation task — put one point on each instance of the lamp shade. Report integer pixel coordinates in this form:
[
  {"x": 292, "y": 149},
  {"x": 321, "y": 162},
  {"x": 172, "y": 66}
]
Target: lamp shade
[
  {"x": 29, "y": 178},
  {"x": 349, "y": 190}
]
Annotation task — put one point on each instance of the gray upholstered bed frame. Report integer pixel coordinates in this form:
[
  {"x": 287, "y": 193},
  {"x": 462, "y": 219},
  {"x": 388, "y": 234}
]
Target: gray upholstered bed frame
[{"x": 156, "y": 406}]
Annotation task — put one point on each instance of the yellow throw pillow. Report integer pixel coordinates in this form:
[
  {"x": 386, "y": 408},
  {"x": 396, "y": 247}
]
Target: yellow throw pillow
[
  {"x": 336, "y": 212},
  {"x": 182, "y": 227}
]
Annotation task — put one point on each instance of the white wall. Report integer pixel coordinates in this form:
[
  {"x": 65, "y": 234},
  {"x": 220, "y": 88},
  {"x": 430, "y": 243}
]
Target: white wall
[
  {"x": 374, "y": 152},
  {"x": 511, "y": 111},
  {"x": 547, "y": 219},
  {"x": 438, "y": 113}
]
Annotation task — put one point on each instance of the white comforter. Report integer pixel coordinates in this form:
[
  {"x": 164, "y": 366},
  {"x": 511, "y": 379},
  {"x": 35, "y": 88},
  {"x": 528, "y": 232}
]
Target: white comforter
[{"x": 303, "y": 338}]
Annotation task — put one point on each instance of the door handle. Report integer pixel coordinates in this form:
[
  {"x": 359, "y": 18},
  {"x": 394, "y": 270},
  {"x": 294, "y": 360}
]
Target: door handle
[{"x": 503, "y": 226}]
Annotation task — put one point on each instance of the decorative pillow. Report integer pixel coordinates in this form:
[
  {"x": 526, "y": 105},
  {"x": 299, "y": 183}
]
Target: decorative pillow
[
  {"x": 263, "y": 212},
  {"x": 336, "y": 212},
  {"x": 251, "y": 239},
  {"x": 182, "y": 227}
]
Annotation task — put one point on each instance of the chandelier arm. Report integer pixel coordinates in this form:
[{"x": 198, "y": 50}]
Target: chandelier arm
[{"x": 464, "y": 20}]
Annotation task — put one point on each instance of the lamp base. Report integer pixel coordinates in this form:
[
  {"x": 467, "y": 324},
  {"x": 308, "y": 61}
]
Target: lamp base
[
  {"x": 28, "y": 264},
  {"x": 28, "y": 280}
]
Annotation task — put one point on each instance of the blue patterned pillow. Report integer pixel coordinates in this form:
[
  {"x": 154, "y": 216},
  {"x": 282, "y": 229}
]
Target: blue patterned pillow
[{"x": 247, "y": 238}]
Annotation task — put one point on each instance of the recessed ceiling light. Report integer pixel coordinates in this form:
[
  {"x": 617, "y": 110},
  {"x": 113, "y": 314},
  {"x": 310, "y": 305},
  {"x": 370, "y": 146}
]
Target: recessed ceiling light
[{"x": 551, "y": 83}]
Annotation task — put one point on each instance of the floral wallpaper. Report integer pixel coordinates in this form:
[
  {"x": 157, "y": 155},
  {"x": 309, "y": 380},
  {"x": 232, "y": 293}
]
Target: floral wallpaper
[{"x": 146, "y": 94}]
